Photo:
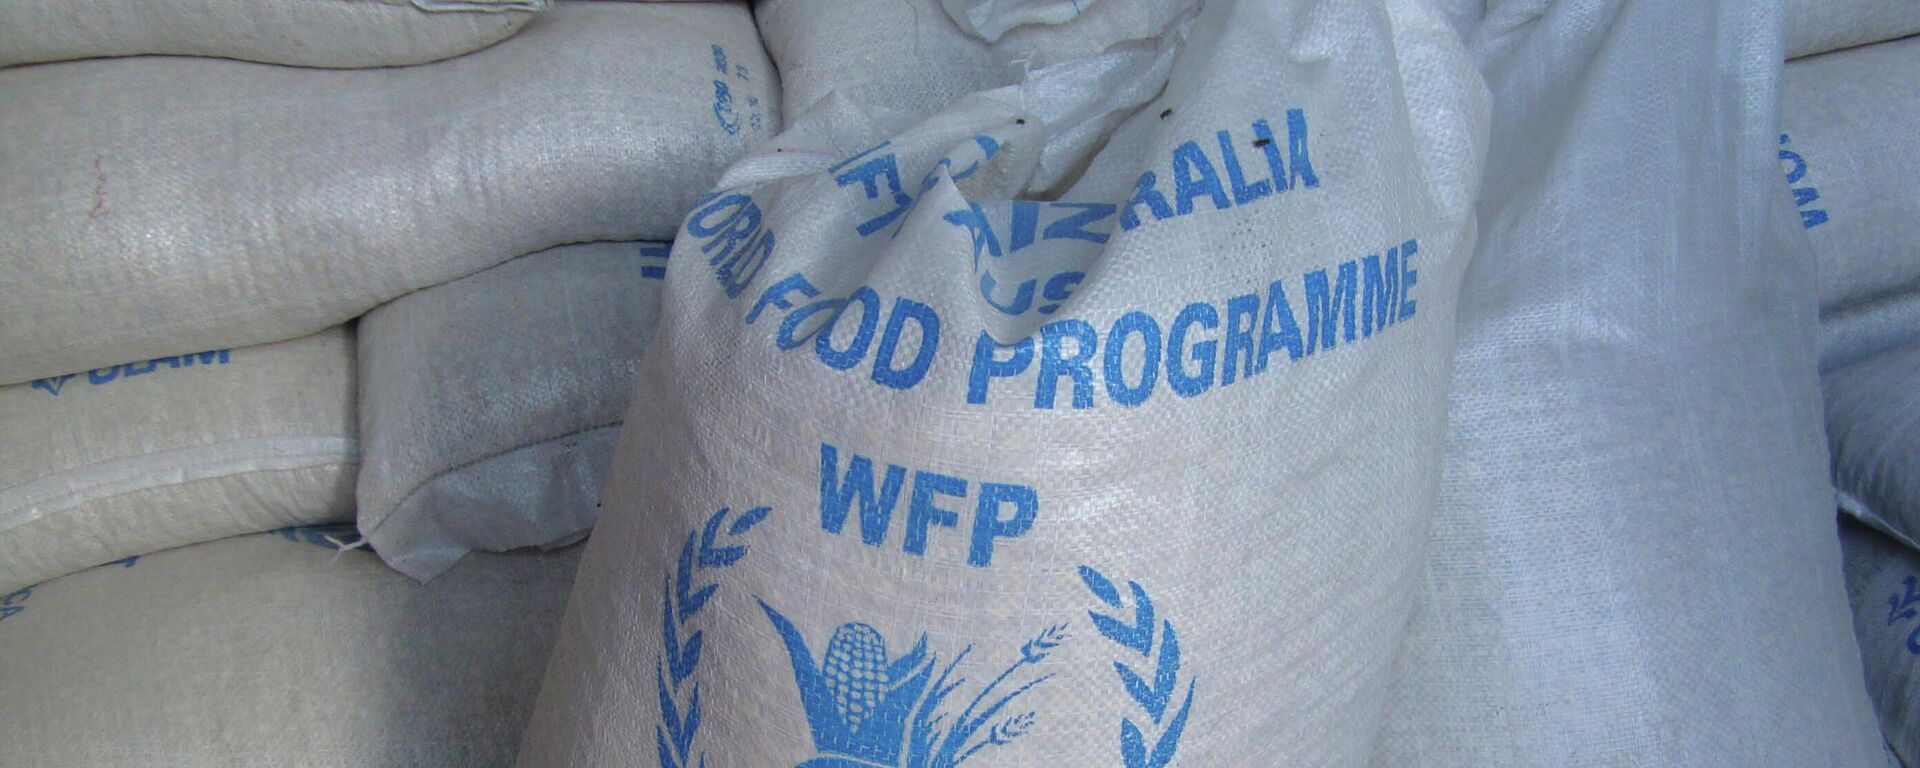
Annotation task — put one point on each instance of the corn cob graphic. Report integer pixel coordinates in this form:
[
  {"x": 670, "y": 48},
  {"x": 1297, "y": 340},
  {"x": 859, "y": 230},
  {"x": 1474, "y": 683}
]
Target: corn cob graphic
[{"x": 855, "y": 672}]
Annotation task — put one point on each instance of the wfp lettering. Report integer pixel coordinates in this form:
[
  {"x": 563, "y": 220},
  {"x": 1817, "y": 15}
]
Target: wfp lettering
[
  {"x": 1004, "y": 510},
  {"x": 53, "y": 385}
]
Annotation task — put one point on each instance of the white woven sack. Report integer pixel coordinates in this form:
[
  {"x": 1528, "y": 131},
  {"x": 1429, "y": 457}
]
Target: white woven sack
[
  {"x": 259, "y": 650},
  {"x": 1633, "y": 560},
  {"x": 223, "y": 203},
  {"x": 1818, "y": 26},
  {"x": 1849, "y": 150},
  {"x": 313, "y": 33},
  {"x": 1883, "y": 583},
  {"x": 1133, "y": 477},
  {"x": 1873, "y": 429},
  {"x": 489, "y": 405},
  {"x": 911, "y": 55},
  {"x": 129, "y": 459}
]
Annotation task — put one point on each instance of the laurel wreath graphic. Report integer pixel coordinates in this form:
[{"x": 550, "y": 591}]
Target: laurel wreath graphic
[
  {"x": 681, "y": 601},
  {"x": 1153, "y": 691}
]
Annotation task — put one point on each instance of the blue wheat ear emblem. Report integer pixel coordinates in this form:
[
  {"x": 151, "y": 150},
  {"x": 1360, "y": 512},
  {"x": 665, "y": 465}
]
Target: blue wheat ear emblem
[
  {"x": 867, "y": 709},
  {"x": 705, "y": 552},
  {"x": 1153, "y": 691}
]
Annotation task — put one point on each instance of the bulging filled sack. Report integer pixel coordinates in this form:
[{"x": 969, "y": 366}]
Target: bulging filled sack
[
  {"x": 225, "y": 203},
  {"x": 911, "y": 55},
  {"x": 1873, "y": 428},
  {"x": 489, "y": 405},
  {"x": 1848, "y": 148},
  {"x": 1883, "y": 583},
  {"x": 133, "y": 458},
  {"x": 260, "y": 650},
  {"x": 313, "y": 33},
  {"x": 1818, "y": 26},
  {"x": 1133, "y": 476},
  {"x": 1633, "y": 560}
]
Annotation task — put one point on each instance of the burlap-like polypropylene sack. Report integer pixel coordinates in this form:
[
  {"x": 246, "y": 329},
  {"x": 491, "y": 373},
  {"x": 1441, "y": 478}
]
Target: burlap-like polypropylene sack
[
  {"x": 157, "y": 206},
  {"x": 1633, "y": 560},
  {"x": 1883, "y": 583},
  {"x": 313, "y": 33},
  {"x": 489, "y": 405},
  {"x": 1873, "y": 428},
  {"x": 1849, "y": 150},
  {"x": 129, "y": 459},
  {"x": 1818, "y": 26},
  {"x": 1134, "y": 477},
  {"x": 910, "y": 55},
  {"x": 261, "y": 651}
]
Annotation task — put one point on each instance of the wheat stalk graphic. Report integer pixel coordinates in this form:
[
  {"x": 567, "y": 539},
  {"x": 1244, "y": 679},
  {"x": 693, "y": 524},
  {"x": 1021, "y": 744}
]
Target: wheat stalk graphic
[
  {"x": 681, "y": 601},
  {"x": 1152, "y": 697}
]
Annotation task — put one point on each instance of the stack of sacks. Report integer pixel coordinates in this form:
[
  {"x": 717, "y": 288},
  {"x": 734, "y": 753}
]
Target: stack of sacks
[
  {"x": 1850, "y": 152},
  {"x": 1135, "y": 476},
  {"x": 266, "y": 650},
  {"x": 159, "y": 206},
  {"x": 307, "y": 33},
  {"x": 1818, "y": 26},
  {"x": 489, "y": 405},
  {"x": 1873, "y": 429},
  {"x": 1632, "y": 560},
  {"x": 127, "y": 459},
  {"x": 1883, "y": 583}
]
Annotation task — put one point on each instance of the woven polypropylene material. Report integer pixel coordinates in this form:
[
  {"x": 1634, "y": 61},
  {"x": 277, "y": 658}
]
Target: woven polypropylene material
[
  {"x": 488, "y": 405},
  {"x": 312, "y": 33},
  {"x": 133, "y": 458},
  {"x": 1633, "y": 560},
  {"x": 1183, "y": 551},
  {"x": 267, "y": 650},
  {"x": 1883, "y": 585},
  {"x": 162, "y": 205}
]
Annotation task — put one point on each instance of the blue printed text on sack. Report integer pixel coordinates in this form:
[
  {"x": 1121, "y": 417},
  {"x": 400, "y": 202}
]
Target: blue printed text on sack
[
  {"x": 1804, "y": 193},
  {"x": 54, "y": 385},
  {"x": 1002, "y": 511},
  {"x": 1204, "y": 345}
]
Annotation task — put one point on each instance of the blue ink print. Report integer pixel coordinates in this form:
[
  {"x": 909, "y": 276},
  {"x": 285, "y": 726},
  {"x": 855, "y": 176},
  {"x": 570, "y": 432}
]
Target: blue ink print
[
  {"x": 723, "y": 108},
  {"x": 1137, "y": 636},
  {"x": 53, "y": 385},
  {"x": 14, "y": 603},
  {"x": 331, "y": 535},
  {"x": 867, "y": 709},
  {"x": 655, "y": 255},
  {"x": 707, "y": 553},
  {"x": 1901, "y": 607},
  {"x": 1803, "y": 195}
]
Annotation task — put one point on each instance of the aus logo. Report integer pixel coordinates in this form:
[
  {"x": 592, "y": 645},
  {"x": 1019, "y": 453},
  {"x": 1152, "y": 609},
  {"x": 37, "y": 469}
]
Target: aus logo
[{"x": 867, "y": 709}]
